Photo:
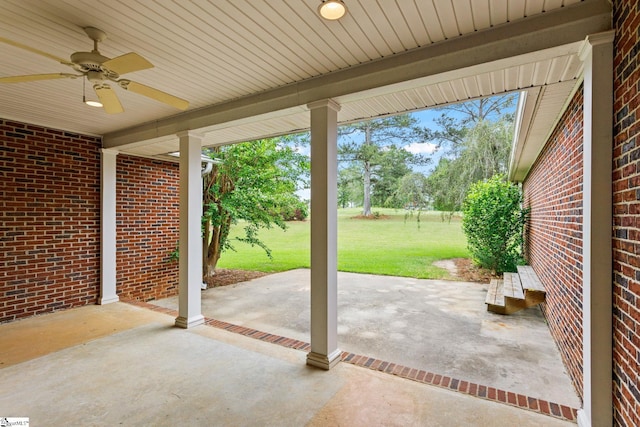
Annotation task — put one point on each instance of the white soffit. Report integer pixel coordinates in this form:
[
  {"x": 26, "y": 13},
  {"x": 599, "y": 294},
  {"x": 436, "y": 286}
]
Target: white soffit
[
  {"x": 537, "y": 118},
  {"x": 416, "y": 95},
  {"x": 216, "y": 52}
]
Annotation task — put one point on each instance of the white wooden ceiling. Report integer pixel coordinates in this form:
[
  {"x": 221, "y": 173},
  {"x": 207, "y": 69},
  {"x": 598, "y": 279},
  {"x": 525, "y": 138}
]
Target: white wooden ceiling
[{"x": 218, "y": 51}]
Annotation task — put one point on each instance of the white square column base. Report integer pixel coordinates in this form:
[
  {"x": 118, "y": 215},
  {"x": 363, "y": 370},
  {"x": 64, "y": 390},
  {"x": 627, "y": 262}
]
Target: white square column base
[
  {"x": 323, "y": 361},
  {"x": 108, "y": 300},
  {"x": 184, "y": 323}
]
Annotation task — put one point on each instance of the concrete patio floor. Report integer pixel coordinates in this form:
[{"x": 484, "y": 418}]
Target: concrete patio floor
[
  {"x": 123, "y": 365},
  {"x": 436, "y": 325}
]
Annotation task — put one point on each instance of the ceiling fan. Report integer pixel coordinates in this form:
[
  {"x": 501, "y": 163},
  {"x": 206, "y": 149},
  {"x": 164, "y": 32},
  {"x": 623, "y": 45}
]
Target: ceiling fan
[{"x": 100, "y": 70}]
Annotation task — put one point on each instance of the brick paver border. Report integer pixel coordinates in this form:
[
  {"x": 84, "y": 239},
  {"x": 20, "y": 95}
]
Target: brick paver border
[{"x": 477, "y": 390}]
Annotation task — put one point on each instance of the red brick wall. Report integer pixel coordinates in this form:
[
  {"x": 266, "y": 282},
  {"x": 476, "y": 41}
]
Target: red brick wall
[
  {"x": 553, "y": 190},
  {"x": 49, "y": 220},
  {"x": 147, "y": 221},
  {"x": 626, "y": 219}
]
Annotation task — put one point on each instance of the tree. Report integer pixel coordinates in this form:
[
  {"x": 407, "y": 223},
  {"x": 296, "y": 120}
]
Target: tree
[
  {"x": 477, "y": 143},
  {"x": 445, "y": 188},
  {"x": 412, "y": 194},
  {"x": 255, "y": 182},
  {"x": 493, "y": 222},
  {"x": 369, "y": 143},
  {"x": 457, "y": 119},
  {"x": 349, "y": 186},
  {"x": 486, "y": 148},
  {"x": 393, "y": 165},
  {"x": 481, "y": 109}
]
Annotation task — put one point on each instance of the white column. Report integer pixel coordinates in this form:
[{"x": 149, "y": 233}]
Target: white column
[
  {"x": 324, "y": 235},
  {"x": 190, "y": 241},
  {"x": 108, "y": 227},
  {"x": 597, "y": 323}
]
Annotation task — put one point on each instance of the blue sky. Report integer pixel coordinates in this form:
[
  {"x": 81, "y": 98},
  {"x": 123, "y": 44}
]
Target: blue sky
[{"x": 426, "y": 118}]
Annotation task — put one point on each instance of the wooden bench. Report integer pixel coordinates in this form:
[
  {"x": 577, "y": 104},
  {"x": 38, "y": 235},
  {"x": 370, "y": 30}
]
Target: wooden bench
[{"x": 515, "y": 291}]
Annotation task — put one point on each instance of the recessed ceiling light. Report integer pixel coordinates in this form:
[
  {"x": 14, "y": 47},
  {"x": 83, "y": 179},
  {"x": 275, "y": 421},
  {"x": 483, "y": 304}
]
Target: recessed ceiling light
[{"x": 332, "y": 9}]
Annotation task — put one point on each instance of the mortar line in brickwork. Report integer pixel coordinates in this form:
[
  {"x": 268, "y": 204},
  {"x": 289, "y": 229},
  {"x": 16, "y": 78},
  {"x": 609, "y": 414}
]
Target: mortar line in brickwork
[{"x": 480, "y": 391}]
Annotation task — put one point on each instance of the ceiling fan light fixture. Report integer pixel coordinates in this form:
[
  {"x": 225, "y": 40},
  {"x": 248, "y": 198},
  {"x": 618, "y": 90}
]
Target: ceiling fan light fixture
[
  {"x": 91, "y": 103},
  {"x": 332, "y": 9}
]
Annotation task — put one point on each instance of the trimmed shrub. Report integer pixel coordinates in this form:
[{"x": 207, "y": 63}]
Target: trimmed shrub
[
  {"x": 295, "y": 210},
  {"x": 493, "y": 223}
]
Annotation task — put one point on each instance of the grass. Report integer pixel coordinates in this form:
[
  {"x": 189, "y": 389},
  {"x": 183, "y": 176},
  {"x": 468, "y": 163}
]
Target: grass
[{"x": 390, "y": 246}]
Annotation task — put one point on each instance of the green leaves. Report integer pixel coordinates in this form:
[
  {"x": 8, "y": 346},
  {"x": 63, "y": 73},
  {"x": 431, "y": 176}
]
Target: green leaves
[
  {"x": 255, "y": 183},
  {"x": 493, "y": 223},
  {"x": 482, "y": 153},
  {"x": 375, "y": 150},
  {"x": 411, "y": 192}
]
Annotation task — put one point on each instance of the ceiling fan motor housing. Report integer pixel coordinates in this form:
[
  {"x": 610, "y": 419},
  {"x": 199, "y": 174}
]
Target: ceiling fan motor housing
[
  {"x": 86, "y": 62},
  {"x": 95, "y": 76}
]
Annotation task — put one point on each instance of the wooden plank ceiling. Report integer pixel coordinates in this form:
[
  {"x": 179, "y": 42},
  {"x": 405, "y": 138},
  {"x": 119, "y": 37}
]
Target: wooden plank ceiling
[{"x": 212, "y": 52}]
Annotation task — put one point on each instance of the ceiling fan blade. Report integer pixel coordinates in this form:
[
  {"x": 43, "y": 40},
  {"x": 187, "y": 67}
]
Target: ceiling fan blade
[
  {"x": 34, "y": 50},
  {"x": 35, "y": 77},
  {"x": 108, "y": 98},
  {"x": 127, "y": 63},
  {"x": 156, "y": 94}
]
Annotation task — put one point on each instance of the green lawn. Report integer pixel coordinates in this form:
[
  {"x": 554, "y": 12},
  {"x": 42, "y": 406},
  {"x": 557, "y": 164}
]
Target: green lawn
[{"x": 384, "y": 246}]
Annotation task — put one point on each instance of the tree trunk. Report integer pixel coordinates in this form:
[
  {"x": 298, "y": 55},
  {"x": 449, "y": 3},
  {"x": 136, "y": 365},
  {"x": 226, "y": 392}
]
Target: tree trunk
[
  {"x": 205, "y": 249},
  {"x": 209, "y": 271},
  {"x": 211, "y": 254},
  {"x": 366, "y": 204},
  {"x": 212, "y": 236}
]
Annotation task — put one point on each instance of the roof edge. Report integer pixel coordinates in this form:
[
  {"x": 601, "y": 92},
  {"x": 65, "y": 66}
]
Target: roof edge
[{"x": 526, "y": 148}]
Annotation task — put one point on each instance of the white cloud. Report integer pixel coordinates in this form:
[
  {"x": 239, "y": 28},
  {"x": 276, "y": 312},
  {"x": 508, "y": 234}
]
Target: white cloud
[{"x": 421, "y": 148}]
